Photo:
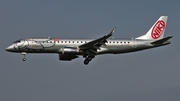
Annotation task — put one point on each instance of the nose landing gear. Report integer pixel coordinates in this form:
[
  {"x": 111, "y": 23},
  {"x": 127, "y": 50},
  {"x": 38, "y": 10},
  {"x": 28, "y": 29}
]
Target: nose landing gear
[
  {"x": 24, "y": 59},
  {"x": 24, "y": 54}
]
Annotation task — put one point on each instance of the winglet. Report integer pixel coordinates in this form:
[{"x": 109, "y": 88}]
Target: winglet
[
  {"x": 113, "y": 30},
  {"x": 110, "y": 34},
  {"x": 95, "y": 44}
]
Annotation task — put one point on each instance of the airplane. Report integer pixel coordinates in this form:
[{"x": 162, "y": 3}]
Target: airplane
[{"x": 69, "y": 49}]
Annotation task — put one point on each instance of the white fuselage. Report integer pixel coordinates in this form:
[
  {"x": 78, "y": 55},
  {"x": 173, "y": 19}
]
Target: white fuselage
[
  {"x": 48, "y": 45},
  {"x": 69, "y": 49}
]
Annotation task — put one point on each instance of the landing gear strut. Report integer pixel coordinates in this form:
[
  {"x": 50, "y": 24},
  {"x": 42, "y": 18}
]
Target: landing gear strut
[
  {"x": 24, "y": 54},
  {"x": 88, "y": 59}
]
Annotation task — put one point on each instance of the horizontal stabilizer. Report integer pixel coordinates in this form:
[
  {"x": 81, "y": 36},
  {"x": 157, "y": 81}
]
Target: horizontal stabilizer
[{"x": 161, "y": 41}]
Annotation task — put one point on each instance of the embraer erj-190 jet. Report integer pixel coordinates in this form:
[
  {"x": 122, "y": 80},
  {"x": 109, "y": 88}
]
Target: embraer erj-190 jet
[{"x": 69, "y": 49}]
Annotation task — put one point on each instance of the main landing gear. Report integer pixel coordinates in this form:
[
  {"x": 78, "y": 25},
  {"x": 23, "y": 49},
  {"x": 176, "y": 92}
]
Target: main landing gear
[
  {"x": 88, "y": 59},
  {"x": 24, "y": 54}
]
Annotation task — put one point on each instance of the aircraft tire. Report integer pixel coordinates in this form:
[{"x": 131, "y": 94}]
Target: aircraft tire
[
  {"x": 86, "y": 62},
  {"x": 89, "y": 58},
  {"x": 24, "y": 59}
]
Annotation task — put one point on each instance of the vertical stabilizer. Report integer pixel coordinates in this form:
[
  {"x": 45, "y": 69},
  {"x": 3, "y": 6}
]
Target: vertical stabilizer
[{"x": 157, "y": 30}]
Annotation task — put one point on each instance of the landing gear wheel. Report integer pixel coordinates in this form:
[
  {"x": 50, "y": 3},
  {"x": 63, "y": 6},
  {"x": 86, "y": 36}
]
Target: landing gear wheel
[
  {"x": 86, "y": 62},
  {"x": 24, "y": 59},
  {"x": 89, "y": 58},
  {"x": 24, "y": 54}
]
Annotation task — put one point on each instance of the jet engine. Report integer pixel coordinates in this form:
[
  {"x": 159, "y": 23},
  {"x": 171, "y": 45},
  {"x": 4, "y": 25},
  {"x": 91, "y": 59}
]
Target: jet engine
[
  {"x": 67, "y": 57},
  {"x": 69, "y": 51}
]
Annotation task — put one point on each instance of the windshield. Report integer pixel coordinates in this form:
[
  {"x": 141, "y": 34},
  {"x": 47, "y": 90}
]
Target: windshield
[{"x": 17, "y": 41}]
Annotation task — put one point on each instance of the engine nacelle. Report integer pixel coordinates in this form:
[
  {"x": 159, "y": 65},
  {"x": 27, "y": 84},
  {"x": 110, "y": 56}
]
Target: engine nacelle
[
  {"x": 69, "y": 51},
  {"x": 67, "y": 57}
]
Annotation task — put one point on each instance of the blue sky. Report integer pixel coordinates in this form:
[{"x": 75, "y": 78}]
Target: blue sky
[{"x": 146, "y": 75}]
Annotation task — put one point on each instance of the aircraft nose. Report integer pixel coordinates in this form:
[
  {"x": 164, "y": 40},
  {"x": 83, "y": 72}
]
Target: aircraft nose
[{"x": 10, "y": 48}]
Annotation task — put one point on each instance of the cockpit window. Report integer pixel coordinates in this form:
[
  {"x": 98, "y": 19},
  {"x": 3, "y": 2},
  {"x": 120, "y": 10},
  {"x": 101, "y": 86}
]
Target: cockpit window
[{"x": 17, "y": 41}]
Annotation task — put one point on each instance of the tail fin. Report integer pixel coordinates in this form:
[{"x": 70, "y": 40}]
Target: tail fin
[{"x": 157, "y": 30}]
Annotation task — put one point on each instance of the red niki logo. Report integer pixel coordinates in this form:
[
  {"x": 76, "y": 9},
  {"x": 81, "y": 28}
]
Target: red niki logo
[
  {"x": 158, "y": 29},
  {"x": 56, "y": 39}
]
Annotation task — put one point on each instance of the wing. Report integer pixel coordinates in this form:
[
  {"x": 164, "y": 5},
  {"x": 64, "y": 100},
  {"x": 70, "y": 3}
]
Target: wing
[{"x": 92, "y": 46}]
